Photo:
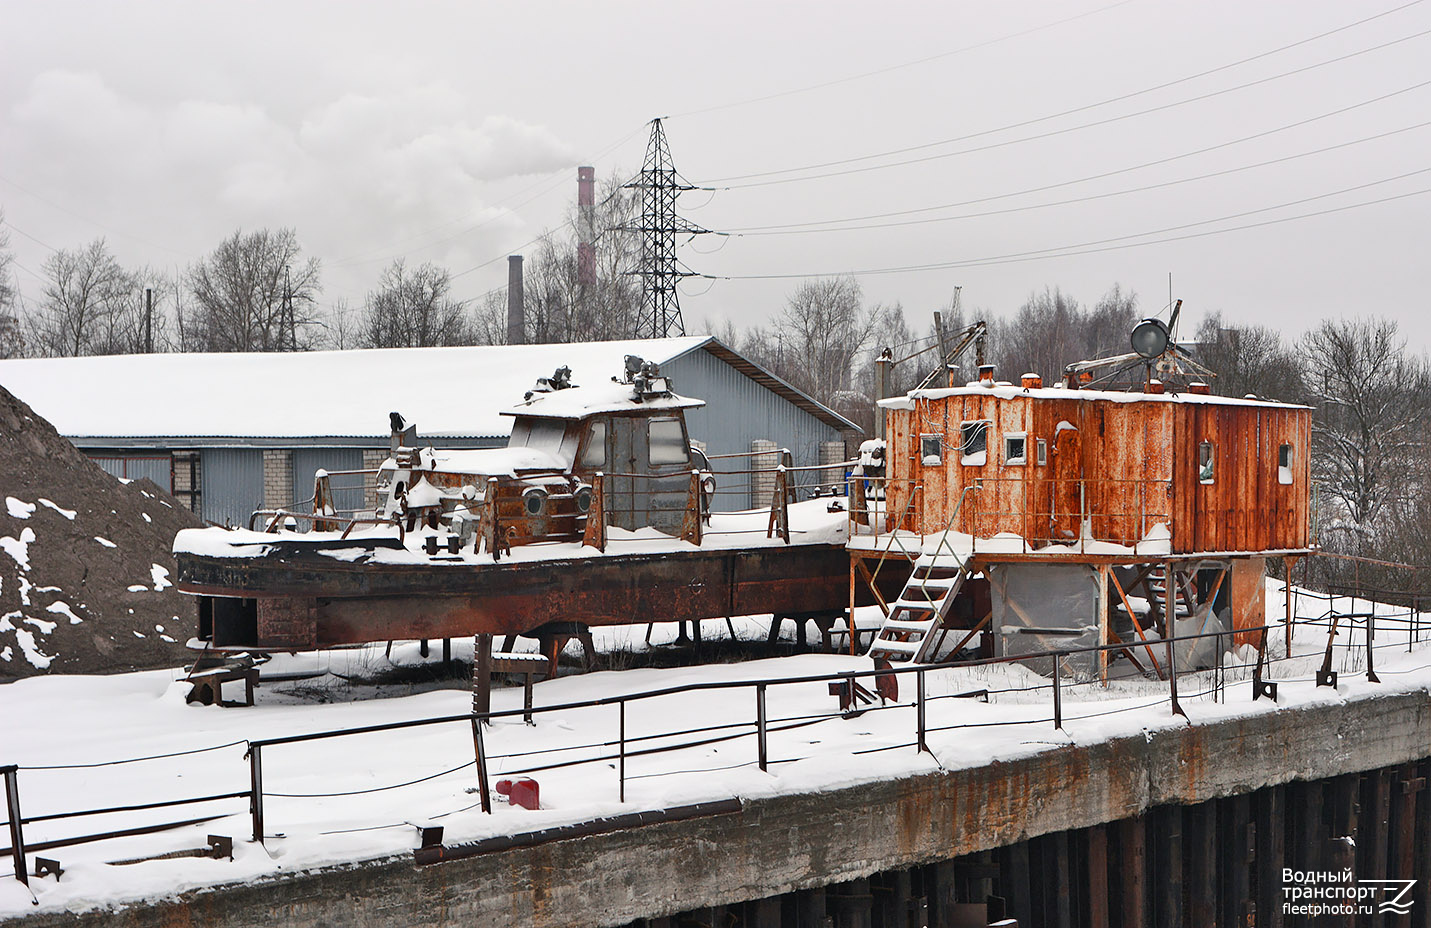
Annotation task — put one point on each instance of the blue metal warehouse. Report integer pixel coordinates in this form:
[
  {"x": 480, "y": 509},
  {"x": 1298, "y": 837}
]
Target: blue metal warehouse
[{"x": 231, "y": 433}]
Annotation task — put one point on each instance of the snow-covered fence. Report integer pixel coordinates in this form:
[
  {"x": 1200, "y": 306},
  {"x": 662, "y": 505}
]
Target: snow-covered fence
[{"x": 876, "y": 690}]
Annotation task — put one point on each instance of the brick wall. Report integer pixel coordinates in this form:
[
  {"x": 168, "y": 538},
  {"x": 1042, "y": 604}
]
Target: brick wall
[
  {"x": 188, "y": 478},
  {"x": 277, "y": 479},
  {"x": 372, "y": 457}
]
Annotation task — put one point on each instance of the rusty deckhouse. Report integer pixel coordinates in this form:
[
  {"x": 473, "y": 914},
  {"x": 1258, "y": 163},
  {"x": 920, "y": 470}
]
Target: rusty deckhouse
[{"x": 1039, "y": 515}]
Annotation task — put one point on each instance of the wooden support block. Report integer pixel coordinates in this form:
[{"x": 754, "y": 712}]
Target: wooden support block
[
  {"x": 810, "y": 908},
  {"x": 1421, "y": 913},
  {"x": 1238, "y": 855}
]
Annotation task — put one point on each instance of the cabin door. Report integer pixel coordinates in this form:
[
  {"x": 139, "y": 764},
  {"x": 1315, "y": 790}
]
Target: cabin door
[
  {"x": 627, "y": 458},
  {"x": 1065, "y": 521}
]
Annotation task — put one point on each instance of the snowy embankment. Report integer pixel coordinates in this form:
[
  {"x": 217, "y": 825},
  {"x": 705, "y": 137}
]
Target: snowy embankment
[{"x": 360, "y": 797}]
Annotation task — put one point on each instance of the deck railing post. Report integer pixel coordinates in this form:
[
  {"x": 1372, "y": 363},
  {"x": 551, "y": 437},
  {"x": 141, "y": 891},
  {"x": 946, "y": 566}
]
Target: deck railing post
[
  {"x": 919, "y": 711},
  {"x": 621, "y": 752},
  {"x": 479, "y": 754},
  {"x": 1371, "y": 676},
  {"x": 760, "y": 726},
  {"x": 12, "y": 811},
  {"x": 255, "y": 798},
  {"x": 1057, "y": 697}
]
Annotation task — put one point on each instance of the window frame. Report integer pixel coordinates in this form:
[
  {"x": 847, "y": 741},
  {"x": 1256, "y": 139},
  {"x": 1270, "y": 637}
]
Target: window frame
[
  {"x": 1285, "y": 476},
  {"x": 1019, "y": 459},
  {"x": 1207, "y": 469},
  {"x": 938, "y": 440},
  {"x": 685, "y": 443},
  {"x": 1041, "y": 451},
  {"x": 969, "y": 429}
]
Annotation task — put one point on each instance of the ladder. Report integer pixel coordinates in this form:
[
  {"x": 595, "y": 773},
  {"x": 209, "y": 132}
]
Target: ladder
[
  {"x": 1156, "y": 586},
  {"x": 921, "y": 608}
]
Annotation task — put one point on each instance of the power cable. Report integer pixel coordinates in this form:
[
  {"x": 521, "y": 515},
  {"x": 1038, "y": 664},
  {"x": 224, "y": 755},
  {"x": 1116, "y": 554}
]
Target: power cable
[
  {"x": 1076, "y": 199},
  {"x": 1069, "y": 250},
  {"x": 897, "y": 67},
  {"x": 1054, "y": 132},
  {"x": 778, "y": 229}
]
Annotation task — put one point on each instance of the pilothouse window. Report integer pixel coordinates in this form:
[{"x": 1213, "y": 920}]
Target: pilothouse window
[
  {"x": 668, "y": 442},
  {"x": 1284, "y": 464},
  {"x": 594, "y": 453}
]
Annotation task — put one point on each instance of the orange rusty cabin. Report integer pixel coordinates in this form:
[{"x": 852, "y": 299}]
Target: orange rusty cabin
[{"x": 1061, "y": 467}]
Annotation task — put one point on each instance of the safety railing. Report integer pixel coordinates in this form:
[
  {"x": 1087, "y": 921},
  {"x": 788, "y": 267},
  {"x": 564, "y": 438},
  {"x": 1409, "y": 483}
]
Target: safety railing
[{"x": 856, "y": 690}]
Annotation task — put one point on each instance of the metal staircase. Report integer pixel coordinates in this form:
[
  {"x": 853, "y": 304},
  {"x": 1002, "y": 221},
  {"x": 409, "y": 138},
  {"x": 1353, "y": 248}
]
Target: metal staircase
[
  {"x": 921, "y": 608},
  {"x": 1156, "y": 586}
]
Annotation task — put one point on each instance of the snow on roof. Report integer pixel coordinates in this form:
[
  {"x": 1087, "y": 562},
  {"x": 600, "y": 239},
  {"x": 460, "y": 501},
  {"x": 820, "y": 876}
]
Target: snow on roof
[
  {"x": 1008, "y": 391},
  {"x": 454, "y": 392},
  {"x": 576, "y": 402}
]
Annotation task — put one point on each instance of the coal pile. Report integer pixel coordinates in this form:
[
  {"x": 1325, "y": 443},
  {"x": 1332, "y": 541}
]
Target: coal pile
[{"x": 85, "y": 564}]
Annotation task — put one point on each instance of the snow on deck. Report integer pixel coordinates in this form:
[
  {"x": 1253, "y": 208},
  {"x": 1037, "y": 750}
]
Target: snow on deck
[
  {"x": 811, "y": 522},
  {"x": 329, "y": 801}
]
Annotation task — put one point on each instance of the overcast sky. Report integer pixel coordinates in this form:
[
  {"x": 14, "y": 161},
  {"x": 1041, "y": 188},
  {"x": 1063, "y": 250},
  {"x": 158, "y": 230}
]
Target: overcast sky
[{"x": 451, "y": 132}]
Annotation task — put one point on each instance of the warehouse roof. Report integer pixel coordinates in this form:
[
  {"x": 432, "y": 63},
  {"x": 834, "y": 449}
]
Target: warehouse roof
[{"x": 445, "y": 392}]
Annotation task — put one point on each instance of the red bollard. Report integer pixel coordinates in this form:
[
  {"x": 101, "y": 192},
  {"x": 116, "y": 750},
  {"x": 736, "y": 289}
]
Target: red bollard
[{"x": 523, "y": 791}]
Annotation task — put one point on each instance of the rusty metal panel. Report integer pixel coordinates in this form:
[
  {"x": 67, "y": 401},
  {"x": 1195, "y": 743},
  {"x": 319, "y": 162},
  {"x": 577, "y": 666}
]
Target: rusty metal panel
[{"x": 1248, "y": 606}]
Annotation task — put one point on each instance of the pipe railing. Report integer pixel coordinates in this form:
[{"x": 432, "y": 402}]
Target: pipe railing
[{"x": 618, "y": 752}]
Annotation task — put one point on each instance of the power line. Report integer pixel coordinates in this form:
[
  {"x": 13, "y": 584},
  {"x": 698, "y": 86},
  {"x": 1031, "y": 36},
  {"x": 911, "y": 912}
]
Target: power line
[
  {"x": 1070, "y": 250},
  {"x": 907, "y": 64},
  {"x": 1050, "y": 133},
  {"x": 792, "y": 228}
]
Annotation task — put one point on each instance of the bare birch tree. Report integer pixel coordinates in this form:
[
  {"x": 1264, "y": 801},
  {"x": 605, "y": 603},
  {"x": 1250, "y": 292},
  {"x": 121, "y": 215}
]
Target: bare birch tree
[{"x": 254, "y": 292}]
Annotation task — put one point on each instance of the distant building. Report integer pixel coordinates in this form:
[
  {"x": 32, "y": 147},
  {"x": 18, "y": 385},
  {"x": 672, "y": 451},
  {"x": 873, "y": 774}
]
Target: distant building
[{"x": 231, "y": 433}]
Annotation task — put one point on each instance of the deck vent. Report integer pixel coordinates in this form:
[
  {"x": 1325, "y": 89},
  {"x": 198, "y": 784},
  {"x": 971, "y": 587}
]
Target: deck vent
[{"x": 1031, "y": 381}]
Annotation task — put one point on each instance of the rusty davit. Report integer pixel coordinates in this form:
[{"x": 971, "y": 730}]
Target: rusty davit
[{"x": 598, "y": 512}]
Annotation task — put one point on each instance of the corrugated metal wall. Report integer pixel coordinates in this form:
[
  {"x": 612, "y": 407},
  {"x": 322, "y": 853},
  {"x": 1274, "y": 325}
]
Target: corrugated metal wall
[
  {"x": 232, "y": 484},
  {"x": 133, "y": 467},
  {"x": 347, "y": 491},
  {"x": 737, "y": 411}
]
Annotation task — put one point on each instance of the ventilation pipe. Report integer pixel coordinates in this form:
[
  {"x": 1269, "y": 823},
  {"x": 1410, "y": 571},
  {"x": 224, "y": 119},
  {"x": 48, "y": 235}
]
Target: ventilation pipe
[{"x": 516, "y": 314}]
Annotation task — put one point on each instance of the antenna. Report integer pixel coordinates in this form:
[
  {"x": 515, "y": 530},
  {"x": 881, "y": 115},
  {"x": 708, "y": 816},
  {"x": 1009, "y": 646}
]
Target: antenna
[{"x": 659, "y": 225}]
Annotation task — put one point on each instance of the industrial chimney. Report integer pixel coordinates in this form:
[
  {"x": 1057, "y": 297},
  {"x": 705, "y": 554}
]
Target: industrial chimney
[
  {"x": 586, "y": 226},
  {"x": 516, "y": 314}
]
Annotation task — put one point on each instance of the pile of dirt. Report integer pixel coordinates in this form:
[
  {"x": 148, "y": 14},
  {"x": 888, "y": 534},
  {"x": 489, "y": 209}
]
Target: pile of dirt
[{"x": 85, "y": 562}]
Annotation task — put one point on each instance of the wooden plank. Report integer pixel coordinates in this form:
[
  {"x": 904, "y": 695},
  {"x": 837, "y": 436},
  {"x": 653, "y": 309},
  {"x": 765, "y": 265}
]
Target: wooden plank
[
  {"x": 1200, "y": 829},
  {"x": 1015, "y": 884},
  {"x": 763, "y": 913},
  {"x": 1063, "y": 880},
  {"x": 1098, "y": 907},
  {"x": 1271, "y": 811},
  {"x": 1406, "y": 787},
  {"x": 1421, "y": 912},
  {"x": 1132, "y": 848},
  {"x": 1168, "y": 866},
  {"x": 1237, "y": 844}
]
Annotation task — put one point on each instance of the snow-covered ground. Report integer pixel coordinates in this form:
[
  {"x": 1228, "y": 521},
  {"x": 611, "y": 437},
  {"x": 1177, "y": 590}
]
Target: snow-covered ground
[{"x": 361, "y": 796}]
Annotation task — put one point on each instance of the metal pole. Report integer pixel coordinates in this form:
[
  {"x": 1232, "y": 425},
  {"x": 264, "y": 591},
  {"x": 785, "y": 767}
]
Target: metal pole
[
  {"x": 1371, "y": 676},
  {"x": 479, "y": 752},
  {"x": 919, "y": 710},
  {"x": 621, "y": 769},
  {"x": 12, "y": 809},
  {"x": 760, "y": 728},
  {"x": 1057, "y": 697},
  {"x": 255, "y": 799}
]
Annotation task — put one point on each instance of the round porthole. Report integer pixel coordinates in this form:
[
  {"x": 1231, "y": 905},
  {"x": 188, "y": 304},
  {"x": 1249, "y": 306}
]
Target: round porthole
[
  {"x": 583, "y": 498},
  {"x": 535, "y": 501}
]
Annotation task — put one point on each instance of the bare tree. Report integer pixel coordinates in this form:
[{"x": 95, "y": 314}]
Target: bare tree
[
  {"x": 87, "y": 304},
  {"x": 558, "y": 305},
  {"x": 255, "y": 292},
  {"x": 1371, "y": 416},
  {"x": 1249, "y": 359},
  {"x": 817, "y": 337},
  {"x": 413, "y": 308},
  {"x": 12, "y": 342},
  {"x": 1044, "y": 335}
]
